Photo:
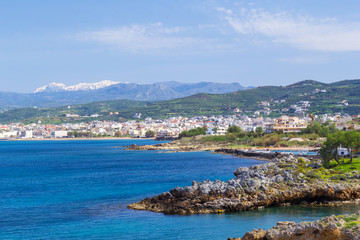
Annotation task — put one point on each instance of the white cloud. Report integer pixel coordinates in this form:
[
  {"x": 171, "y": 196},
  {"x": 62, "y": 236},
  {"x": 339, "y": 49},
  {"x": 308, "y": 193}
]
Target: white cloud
[
  {"x": 149, "y": 37},
  {"x": 224, "y": 10},
  {"x": 302, "y": 32}
]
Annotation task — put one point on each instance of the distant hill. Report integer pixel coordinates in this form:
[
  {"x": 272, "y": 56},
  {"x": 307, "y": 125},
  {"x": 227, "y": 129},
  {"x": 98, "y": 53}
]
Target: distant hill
[
  {"x": 343, "y": 96},
  {"x": 57, "y": 94}
]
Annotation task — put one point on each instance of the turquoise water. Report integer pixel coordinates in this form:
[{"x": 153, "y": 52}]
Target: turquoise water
[
  {"x": 80, "y": 190},
  {"x": 296, "y": 152}
]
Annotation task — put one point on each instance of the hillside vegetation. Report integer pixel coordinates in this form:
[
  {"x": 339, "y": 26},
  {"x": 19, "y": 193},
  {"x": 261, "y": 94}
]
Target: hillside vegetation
[{"x": 280, "y": 99}]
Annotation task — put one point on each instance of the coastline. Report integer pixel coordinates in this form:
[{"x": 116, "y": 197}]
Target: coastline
[
  {"x": 179, "y": 145},
  {"x": 73, "y": 139},
  {"x": 343, "y": 227},
  {"x": 283, "y": 180}
]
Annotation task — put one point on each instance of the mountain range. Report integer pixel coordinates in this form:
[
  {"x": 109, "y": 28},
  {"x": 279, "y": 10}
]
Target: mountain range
[
  {"x": 314, "y": 97},
  {"x": 58, "y": 94}
]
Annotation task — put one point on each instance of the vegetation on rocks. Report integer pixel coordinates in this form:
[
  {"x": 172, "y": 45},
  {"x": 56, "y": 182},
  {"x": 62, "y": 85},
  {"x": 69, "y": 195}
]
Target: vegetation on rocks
[
  {"x": 345, "y": 227},
  {"x": 283, "y": 181},
  {"x": 252, "y": 139}
]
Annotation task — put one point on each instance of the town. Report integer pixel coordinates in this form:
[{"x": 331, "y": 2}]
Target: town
[{"x": 170, "y": 128}]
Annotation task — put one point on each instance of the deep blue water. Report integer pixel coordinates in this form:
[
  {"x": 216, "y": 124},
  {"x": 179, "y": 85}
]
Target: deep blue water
[{"x": 80, "y": 190}]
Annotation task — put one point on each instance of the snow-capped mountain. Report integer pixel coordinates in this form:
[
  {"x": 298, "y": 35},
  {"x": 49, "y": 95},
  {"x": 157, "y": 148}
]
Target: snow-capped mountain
[
  {"x": 57, "y": 87},
  {"x": 58, "y": 94},
  {"x": 52, "y": 87}
]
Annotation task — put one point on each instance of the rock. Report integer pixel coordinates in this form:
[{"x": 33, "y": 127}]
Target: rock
[
  {"x": 241, "y": 170},
  {"x": 269, "y": 184},
  {"x": 195, "y": 185},
  {"x": 253, "y": 183},
  {"x": 279, "y": 178},
  {"x": 205, "y": 189},
  {"x": 314, "y": 165},
  {"x": 286, "y": 223},
  {"x": 255, "y": 234},
  {"x": 328, "y": 228}
]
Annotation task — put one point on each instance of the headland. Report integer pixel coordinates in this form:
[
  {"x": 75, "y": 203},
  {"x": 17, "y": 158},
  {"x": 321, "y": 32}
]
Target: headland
[
  {"x": 344, "y": 227},
  {"x": 282, "y": 181}
]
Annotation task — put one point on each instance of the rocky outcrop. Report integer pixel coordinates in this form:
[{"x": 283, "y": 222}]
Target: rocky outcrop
[
  {"x": 283, "y": 181},
  {"x": 172, "y": 146},
  {"x": 329, "y": 228},
  {"x": 251, "y": 154},
  {"x": 183, "y": 145}
]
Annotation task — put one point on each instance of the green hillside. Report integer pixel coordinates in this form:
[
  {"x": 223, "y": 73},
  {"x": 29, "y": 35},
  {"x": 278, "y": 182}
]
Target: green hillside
[{"x": 325, "y": 101}]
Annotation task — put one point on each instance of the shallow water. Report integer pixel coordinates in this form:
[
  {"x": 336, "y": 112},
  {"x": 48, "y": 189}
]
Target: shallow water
[{"x": 80, "y": 190}]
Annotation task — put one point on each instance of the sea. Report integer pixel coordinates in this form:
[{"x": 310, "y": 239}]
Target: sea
[{"x": 80, "y": 189}]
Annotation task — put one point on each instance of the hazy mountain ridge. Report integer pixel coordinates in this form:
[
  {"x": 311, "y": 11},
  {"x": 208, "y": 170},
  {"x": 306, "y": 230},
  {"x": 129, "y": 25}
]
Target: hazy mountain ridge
[
  {"x": 322, "y": 97},
  {"x": 57, "y": 94}
]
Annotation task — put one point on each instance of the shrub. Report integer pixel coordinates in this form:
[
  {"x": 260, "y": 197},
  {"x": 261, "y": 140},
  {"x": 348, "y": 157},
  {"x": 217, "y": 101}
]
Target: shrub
[
  {"x": 234, "y": 129},
  {"x": 301, "y": 161},
  {"x": 338, "y": 177},
  {"x": 150, "y": 133},
  {"x": 312, "y": 175},
  {"x": 192, "y": 132}
]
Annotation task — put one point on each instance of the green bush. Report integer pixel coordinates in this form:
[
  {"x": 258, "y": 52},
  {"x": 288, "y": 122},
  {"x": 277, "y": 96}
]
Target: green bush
[
  {"x": 234, "y": 129},
  {"x": 312, "y": 175},
  {"x": 338, "y": 177},
  {"x": 150, "y": 133},
  {"x": 301, "y": 161},
  {"x": 192, "y": 132}
]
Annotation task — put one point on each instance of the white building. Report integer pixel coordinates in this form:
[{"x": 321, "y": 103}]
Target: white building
[
  {"x": 220, "y": 131},
  {"x": 60, "y": 134},
  {"x": 343, "y": 151}
]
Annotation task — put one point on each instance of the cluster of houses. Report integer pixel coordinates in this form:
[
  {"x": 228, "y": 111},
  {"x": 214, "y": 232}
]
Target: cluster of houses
[{"x": 171, "y": 127}]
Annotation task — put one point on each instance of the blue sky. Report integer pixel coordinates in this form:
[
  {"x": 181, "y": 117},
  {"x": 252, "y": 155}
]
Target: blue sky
[{"x": 253, "y": 43}]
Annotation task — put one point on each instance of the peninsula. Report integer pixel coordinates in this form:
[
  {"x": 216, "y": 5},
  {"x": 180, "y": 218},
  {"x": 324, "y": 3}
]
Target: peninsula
[{"x": 283, "y": 181}]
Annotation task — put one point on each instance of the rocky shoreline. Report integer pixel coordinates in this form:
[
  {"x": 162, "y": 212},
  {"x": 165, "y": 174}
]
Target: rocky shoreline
[
  {"x": 196, "y": 144},
  {"x": 285, "y": 180},
  {"x": 174, "y": 146},
  {"x": 240, "y": 153},
  {"x": 345, "y": 227}
]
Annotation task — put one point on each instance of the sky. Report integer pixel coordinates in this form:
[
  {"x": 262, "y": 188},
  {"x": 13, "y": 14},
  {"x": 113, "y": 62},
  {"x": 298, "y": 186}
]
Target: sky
[{"x": 254, "y": 43}]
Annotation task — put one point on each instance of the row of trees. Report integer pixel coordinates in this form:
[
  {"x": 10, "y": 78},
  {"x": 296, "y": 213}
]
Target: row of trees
[
  {"x": 192, "y": 132},
  {"x": 237, "y": 129},
  {"x": 322, "y": 130}
]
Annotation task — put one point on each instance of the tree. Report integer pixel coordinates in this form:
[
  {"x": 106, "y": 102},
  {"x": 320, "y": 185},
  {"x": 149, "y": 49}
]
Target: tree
[
  {"x": 234, "y": 129},
  {"x": 330, "y": 147},
  {"x": 320, "y": 129},
  {"x": 332, "y": 128},
  {"x": 192, "y": 132},
  {"x": 150, "y": 134},
  {"x": 215, "y": 129},
  {"x": 351, "y": 141},
  {"x": 258, "y": 131}
]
